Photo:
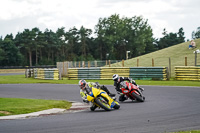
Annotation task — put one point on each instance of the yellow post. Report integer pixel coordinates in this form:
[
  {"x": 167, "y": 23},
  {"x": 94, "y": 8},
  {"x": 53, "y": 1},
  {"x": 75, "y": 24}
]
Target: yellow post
[
  {"x": 88, "y": 64},
  {"x": 152, "y": 62},
  {"x": 122, "y": 63},
  {"x": 137, "y": 62},
  {"x": 83, "y": 64},
  {"x": 185, "y": 61},
  {"x": 67, "y": 68}
]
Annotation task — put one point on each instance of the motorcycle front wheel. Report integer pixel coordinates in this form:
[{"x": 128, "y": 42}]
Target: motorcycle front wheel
[
  {"x": 139, "y": 98},
  {"x": 103, "y": 103}
]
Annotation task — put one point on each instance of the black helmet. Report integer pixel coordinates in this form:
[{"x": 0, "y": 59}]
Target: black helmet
[
  {"x": 82, "y": 83},
  {"x": 115, "y": 77}
]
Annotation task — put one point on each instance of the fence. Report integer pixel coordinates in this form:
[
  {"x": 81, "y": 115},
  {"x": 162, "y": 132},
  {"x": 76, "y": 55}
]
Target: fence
[
  {"x": 189, "y": 59},
  {"x": 63, "y": 66},
  {"x": 187, "y": 73},
  {"x": 144, "y": 73},
  {"x": 45, "y": 73},
  {"x": 149, "y": 73},
  {"x": 27, "y": 67}
]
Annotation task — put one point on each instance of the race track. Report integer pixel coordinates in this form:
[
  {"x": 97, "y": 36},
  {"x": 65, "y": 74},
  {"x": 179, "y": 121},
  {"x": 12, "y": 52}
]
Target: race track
[{"x": 166, "y": 109}]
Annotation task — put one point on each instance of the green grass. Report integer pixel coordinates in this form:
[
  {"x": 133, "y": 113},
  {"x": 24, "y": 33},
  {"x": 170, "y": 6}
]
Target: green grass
[
  {"x": 20, "y": 79},
  {"x": 14, "y": 106},
  {"x": 177, "y": 54},
  {"x": 12, "y": 70}
]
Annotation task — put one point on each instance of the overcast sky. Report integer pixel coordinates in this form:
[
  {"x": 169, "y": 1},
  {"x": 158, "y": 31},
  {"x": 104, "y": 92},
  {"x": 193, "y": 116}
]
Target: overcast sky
[{"x": 17, "y": 15}]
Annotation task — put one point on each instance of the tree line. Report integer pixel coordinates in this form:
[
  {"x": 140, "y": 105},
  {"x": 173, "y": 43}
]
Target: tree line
[{"x": 111, "y": 39}]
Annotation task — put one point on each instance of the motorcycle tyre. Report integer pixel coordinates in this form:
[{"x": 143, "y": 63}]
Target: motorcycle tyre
[
  {"x": 139, "y": 98},
  {"x": 98, "y": 101}
]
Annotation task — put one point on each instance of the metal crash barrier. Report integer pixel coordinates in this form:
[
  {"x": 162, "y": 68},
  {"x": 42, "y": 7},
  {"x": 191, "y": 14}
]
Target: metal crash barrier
[
  {"x": 140, "y": 73},
  {"x": 107, "y": 72},
  {"x": 46, "y": 73},
  {"x": 149, "y": 73},
  {"x": 187, "y": 73}
]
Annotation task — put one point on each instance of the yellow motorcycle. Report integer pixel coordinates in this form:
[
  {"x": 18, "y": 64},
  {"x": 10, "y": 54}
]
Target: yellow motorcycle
[{"x": 102, "y": 100}]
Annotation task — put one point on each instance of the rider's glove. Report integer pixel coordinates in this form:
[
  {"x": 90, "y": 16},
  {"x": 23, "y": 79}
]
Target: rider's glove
[
  {"x": 85, "y": 100},
  {"x": 97, "y": 85},
  {"x": 119, "y": 93},
  {"x": 132, "y": 81}
]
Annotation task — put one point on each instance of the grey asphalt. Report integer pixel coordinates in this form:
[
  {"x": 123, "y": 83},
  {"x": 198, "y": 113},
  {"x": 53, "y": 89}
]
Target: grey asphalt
[{"x": 166, "y": 109}]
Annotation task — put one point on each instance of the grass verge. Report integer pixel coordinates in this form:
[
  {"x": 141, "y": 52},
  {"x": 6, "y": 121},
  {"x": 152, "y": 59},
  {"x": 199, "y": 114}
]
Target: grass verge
[
  {"x": 20, "y": 79},
  {"x": 14, "y": 106},
  {"x": 176, "y": 53}
]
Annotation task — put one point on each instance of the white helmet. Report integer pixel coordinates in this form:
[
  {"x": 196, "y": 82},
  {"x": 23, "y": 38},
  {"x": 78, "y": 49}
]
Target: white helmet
[{"x": 115, "y": 77}]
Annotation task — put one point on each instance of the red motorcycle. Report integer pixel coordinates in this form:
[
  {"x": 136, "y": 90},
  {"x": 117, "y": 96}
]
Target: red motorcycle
[{"x": 132, "y": 91}]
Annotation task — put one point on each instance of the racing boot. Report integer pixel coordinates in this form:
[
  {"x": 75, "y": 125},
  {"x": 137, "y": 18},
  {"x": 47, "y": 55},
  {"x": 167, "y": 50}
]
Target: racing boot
[
  {"x": 112, "y": 96},
  {"x": 93, "y": 107},
  {"x": 142, "y": 89},
  {"x": 122, "y": 97},
  {"x": 107, "y": 91}
]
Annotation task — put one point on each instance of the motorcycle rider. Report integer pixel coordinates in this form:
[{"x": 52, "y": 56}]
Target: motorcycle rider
[
  {"x": 86, "y": 88},
  {"x": 118, "y": 80}
]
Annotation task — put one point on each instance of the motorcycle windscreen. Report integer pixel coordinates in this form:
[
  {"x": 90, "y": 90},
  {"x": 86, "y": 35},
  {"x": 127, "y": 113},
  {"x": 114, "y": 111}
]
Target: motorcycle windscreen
[{"x": 96, "y": 91}]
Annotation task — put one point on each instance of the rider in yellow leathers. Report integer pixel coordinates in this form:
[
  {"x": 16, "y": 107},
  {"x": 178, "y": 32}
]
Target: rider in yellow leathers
[{"x": 86, "y": 88}]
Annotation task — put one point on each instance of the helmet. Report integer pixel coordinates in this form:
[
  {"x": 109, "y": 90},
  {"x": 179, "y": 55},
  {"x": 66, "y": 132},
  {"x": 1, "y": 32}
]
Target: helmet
[
  {"x": 82, "y": 83},
  {"x": 115, "y": 77}
]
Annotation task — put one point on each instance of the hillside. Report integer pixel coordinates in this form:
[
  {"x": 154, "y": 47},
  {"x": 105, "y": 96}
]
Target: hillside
[{"x": 176, "y": 53}]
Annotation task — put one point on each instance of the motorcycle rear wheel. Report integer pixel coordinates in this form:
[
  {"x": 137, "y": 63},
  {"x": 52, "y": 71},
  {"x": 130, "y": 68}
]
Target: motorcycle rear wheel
[
  {"x": 102, "y": 103},
  {"x": 139, "y": 98}
]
